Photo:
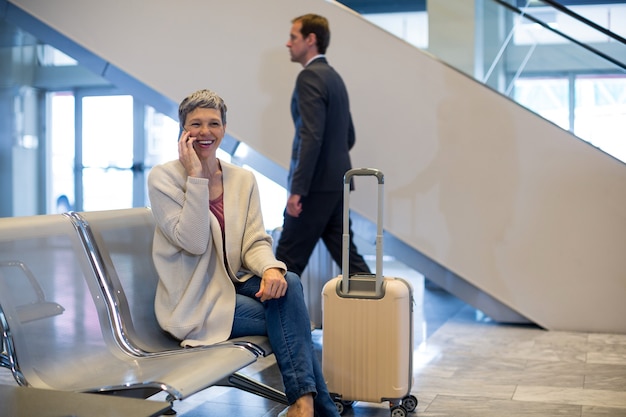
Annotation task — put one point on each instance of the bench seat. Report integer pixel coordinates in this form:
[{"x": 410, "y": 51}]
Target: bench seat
[{"x": 76, "y": 312}]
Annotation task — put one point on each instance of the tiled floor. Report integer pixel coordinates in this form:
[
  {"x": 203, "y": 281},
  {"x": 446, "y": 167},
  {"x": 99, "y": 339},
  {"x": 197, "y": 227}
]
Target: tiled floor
[{"x": 467, "y": 366}]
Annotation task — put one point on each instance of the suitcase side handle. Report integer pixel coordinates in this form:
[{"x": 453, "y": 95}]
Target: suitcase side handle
[{"x": 345, "y": 263}]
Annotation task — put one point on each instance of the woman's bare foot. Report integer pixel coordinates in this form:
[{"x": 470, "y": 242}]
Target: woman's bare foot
[{"x": 303, "y": 407}]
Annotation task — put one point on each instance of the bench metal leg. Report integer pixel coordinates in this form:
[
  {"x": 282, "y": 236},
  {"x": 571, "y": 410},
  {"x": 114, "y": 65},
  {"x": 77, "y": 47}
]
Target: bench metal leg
[
  {"x": 171, "y": 411},
  {"x": 245, "y": 383}
]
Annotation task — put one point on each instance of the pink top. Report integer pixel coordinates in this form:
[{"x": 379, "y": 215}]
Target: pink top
[{"x": 217, "y": 208}]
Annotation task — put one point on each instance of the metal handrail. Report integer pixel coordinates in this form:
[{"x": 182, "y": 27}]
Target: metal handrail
[{"x": 569, "y": 38}]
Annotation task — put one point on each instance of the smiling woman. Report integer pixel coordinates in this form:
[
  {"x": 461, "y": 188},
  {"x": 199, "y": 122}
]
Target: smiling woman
[{"x": 218, "y": 276}]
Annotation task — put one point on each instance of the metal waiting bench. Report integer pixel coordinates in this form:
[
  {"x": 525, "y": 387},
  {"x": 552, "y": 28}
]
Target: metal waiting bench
[{"x": 76, "y": 312}]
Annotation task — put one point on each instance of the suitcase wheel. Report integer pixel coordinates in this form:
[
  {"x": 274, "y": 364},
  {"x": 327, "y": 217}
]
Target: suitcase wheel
[
  {"x": 340, "y": 408},
  {"x": 398, "y": 411},
  {"x": 409, "y": 403},
  {"x": 341, "y": 405}
]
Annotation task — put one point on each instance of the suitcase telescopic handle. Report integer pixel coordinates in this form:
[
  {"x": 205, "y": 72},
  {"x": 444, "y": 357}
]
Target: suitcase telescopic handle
[{"x": 345, "y": 264}]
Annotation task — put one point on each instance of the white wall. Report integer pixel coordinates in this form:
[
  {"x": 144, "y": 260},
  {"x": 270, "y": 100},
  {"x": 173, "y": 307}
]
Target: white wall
[{"x": 508, "y": 201}]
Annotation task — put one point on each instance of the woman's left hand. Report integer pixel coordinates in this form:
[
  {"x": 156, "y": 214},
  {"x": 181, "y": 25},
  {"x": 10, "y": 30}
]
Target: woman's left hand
[{"x": 273, "y": 285}]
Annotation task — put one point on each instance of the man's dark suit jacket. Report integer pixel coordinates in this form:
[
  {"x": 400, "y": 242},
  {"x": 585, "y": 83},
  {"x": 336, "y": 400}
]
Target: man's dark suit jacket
[{"x": 324, "y": 133}]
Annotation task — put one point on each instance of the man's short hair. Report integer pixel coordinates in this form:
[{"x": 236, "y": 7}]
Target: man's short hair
[{"x": 313, "y": 23}]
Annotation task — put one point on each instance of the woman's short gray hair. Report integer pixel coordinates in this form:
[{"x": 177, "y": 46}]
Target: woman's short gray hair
[{"x": 205, "y": 99}]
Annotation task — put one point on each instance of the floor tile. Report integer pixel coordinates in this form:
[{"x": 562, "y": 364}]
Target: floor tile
[
  {"x": 605, "y": 377},
  {"x": 608, "y": 355},
  {"x": 603, "y": 412},
  {"x": 557, "y": 395}
]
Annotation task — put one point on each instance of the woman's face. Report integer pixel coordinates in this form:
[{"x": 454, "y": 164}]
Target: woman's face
[{"x": 206, "y": 129}]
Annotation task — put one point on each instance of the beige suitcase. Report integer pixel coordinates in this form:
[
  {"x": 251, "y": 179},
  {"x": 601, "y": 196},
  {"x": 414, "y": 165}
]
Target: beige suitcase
[{"x": 368, "y": 328}]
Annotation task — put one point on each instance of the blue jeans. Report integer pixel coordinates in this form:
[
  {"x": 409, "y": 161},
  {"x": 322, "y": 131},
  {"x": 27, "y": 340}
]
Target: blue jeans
[{"x": 286, "y": 323}]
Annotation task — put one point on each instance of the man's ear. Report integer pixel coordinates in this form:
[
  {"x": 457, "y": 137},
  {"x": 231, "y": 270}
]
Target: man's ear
[{"x": 311, "y": 39}]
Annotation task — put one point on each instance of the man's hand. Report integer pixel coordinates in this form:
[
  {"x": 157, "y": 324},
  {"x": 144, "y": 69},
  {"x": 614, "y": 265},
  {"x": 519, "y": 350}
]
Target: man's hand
[
  {"x": 273, "y": 285},
  {"x": 294, "y": 206}
]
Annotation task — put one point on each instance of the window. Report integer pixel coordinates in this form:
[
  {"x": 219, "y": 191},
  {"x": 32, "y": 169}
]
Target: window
[{"x": 600, "y": 110}]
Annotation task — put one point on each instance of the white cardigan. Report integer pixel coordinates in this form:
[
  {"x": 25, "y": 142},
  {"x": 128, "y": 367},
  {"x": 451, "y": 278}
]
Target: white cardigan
[{"x": 195, "y": 298}]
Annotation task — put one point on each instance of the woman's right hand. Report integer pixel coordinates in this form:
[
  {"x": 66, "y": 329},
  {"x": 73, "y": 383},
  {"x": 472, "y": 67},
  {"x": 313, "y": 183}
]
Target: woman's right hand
[
  {"x": 273, "y": 285},
  {"x": 187, "y": 155}
]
